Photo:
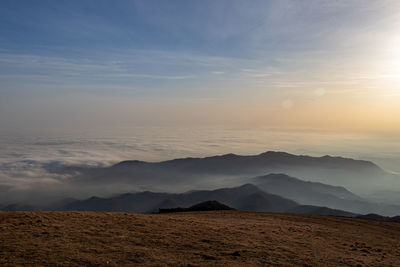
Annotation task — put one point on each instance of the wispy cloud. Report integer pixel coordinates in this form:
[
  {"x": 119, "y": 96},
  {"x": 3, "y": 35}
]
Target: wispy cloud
[
  {"x": 125, "y": 64},
  {"x": 150, "y": 76}
]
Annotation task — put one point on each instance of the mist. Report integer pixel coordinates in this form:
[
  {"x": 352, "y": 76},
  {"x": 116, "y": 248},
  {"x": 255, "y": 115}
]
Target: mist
[
  {"x": 44, "y": 172},
  {"x": 54, "y": 166}
]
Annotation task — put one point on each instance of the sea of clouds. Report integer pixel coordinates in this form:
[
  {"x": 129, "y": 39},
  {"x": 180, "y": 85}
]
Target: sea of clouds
[{"x": 38, "y": 167}]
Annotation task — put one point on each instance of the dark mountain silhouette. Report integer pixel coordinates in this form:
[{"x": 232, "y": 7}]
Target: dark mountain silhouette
[
  {"x": 377, "y": 217},
  {"x": 17, "y": 207},
  {"x": 262, "y": 201},
  {"x": 316, "y": 210},
  {"x": 232, "y": 164},
  {"x": 210, "y": 205},
  {"x": 319, "y": 194},
  {"x": 168, "y": 203},
  {"x": 246, "y": 197},
  {"x": 395, "y": 218},
  {"x": 131, "y": 202}
]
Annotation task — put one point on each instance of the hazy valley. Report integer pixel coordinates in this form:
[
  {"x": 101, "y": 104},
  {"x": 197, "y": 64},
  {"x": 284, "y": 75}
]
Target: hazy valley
[{"x": 249, "y": 183}]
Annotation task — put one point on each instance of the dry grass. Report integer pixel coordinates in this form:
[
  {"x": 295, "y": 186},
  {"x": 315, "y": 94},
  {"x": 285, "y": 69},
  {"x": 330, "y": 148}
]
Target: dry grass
[{"x": 194, "y": 239}]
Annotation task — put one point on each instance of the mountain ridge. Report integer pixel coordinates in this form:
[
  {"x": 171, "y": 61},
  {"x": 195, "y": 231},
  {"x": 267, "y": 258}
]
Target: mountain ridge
[
  {"x": 338, "y": 171},
  {"x": 148, "y": 202},
  {"x": 270, "y": 155}
]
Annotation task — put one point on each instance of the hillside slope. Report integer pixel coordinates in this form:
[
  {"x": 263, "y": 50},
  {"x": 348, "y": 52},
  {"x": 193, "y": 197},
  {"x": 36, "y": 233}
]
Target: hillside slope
[{"x": 194, "y": 239}]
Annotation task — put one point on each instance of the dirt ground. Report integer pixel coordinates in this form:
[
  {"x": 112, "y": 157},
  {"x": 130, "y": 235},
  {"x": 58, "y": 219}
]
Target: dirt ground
[{"x": 221, "y": 238}]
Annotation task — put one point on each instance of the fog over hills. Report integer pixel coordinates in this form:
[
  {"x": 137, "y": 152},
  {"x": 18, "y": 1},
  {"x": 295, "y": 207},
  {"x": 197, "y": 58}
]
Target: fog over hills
[
  {"x": 229, "y": 169},
  {"x": 304, "y": 190},
  {"x": 319, "y": 194},
  {"x": 219, "y": 171},
  {"x": 332, "y": 170},
  {"x": 246, "y": 197},
  {"x": 320, "y": 181}
]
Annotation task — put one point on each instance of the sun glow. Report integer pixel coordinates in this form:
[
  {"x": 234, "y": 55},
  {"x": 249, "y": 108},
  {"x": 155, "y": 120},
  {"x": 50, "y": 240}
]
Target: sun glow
[{"x": 392, "y": 62}]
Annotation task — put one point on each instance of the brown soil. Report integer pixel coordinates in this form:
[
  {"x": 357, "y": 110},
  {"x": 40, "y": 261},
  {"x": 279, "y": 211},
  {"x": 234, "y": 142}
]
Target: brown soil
[{"x": 224, "y": 238}]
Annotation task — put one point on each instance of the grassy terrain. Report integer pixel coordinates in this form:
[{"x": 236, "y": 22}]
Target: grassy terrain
[{"x": 194, "y": 239}]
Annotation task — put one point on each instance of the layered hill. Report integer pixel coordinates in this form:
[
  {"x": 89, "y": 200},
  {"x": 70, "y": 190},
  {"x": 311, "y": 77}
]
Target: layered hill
[
  {"x": 305, "y": 191},
  {"x": 319, "y": 194},
  {"x": 246, "y": 197},
  {"x": 227, "y": 169},
  {"x": 276, "y": 192}
]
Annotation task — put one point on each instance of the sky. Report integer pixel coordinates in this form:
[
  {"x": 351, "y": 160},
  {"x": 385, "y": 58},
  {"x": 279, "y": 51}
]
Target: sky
[
  {"x": 324, "y": 65},
  {"x": 97, "y": 82}
]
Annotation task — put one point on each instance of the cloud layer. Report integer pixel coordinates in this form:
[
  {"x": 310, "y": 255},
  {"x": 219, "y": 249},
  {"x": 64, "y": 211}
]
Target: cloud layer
[{"x": 47, "y": 167}]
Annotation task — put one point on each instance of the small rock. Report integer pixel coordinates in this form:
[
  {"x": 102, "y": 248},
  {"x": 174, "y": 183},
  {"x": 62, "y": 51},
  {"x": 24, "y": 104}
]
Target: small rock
[
  {"x": 365, "y": 251},
  {"x": 236, "y": 253}
]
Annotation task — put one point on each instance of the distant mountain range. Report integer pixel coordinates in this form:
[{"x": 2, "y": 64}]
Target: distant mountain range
[
  {"x": 316, "y": 210},
  {"x": 314, "y": 193},
  {"x": 377, "y": 217},
  {"x": 246, "y": 197},
  {"x": 278, "y": 191},
  {"x": 232, "y": 163},
  {"x": 228, "y": 170},
  {"x": 332, "y": 170}
]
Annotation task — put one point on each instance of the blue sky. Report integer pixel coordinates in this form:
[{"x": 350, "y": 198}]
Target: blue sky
[{"x": 57, "y": 57}]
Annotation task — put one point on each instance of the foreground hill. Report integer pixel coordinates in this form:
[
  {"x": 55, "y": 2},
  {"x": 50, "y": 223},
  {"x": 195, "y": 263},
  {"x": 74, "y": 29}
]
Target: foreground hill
[{"x": 195, "y": 239}]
